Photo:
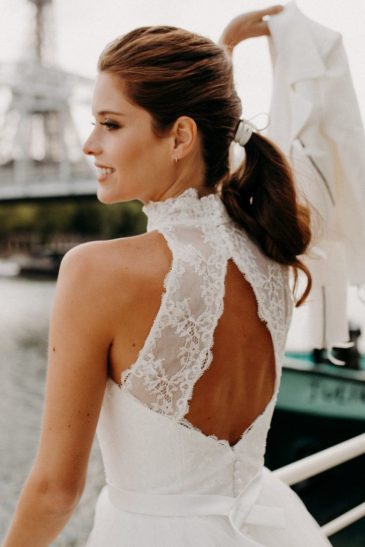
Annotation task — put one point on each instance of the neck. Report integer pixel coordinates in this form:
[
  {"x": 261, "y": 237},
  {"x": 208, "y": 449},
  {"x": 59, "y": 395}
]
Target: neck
[{"x": 190, "y": 173}]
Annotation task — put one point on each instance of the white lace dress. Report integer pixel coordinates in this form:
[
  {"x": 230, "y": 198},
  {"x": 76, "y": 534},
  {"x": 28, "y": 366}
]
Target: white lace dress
[{"x": 167, "y": 483}]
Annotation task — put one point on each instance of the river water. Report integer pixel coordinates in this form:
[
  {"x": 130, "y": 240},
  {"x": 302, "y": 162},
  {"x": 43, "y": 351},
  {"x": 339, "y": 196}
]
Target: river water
[{"x": 24, "y": 315}]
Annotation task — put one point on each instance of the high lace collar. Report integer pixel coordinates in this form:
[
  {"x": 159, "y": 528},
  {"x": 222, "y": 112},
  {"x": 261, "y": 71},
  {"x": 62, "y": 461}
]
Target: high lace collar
[{"x": 186, "y": 208}]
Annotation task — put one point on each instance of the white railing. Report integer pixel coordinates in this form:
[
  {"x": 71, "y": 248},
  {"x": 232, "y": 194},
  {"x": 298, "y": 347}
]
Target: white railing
[{"x": 317, "y": 463}]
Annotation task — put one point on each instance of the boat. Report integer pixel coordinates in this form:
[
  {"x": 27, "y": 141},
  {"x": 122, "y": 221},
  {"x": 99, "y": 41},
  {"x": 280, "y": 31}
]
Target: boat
[
  {"x": 325, "y": 383},
  {"x": 322, "y": 389},
  {"x": 319, "y": 404}
]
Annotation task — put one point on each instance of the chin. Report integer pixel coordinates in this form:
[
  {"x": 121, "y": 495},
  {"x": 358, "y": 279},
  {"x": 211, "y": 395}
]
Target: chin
[
  {"x": 108, "y": 198},
  {"x": 104, "y": 197}
]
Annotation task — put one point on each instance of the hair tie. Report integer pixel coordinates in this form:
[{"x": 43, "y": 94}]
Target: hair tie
[
  {"x": 245, "y": 129},
  {"x": 243, "y": 132}
]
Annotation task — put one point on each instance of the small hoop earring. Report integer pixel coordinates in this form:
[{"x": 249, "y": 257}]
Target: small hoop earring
[{"x": 176, "y": 159}]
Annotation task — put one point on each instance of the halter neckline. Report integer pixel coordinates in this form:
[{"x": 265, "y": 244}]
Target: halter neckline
[{"x": 186, "y": 208}]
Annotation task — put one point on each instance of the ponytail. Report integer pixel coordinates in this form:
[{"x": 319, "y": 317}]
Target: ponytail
[{"x": 261, "y": 197}]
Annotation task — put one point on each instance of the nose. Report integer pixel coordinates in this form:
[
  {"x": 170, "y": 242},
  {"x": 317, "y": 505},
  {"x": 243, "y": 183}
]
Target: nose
[{"x": 91, "y": 147}]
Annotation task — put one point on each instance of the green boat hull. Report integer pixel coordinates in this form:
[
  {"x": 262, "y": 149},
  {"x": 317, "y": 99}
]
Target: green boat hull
[{"x": 321, "y": 389}]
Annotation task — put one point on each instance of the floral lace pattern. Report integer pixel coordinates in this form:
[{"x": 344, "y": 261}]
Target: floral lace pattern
[{"x": 202, "y": 238}]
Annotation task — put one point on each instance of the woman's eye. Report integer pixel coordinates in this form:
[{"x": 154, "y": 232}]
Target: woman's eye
[{"x": 110, "y": 125}]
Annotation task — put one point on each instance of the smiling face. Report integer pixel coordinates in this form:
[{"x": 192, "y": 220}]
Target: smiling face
[{"x": 132, "y": 162}]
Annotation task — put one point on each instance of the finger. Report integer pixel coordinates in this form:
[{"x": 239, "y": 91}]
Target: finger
[
  {"x": 272, "y": 10},
  {"x": 259, "y": 15}
]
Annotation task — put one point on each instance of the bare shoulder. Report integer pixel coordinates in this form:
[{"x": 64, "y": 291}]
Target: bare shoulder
[
  {"x": 131, "y": 262},
  {"x": 116, "y": 255}
]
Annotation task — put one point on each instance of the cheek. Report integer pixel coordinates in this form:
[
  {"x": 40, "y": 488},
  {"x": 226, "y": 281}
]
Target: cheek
[
  {"x": 140, "y": 154},
  {"x": 128, "y": 149},
  {"x": 156, "y": 151}
]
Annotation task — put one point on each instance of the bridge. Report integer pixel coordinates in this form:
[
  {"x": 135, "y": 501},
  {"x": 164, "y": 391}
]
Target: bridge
[
  {"x": 40, "y": 149},
  {"x": 46, "y": 189}
]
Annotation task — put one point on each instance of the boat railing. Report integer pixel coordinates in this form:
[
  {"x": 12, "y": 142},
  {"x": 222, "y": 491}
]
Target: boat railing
[{"x": 321, "y": 461}]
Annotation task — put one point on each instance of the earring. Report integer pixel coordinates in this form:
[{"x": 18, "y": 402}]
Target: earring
[{"x": 176, "y": 159}]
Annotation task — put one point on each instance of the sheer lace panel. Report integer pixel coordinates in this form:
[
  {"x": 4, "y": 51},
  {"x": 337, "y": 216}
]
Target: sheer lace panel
[{"x": 178, "y": 348}]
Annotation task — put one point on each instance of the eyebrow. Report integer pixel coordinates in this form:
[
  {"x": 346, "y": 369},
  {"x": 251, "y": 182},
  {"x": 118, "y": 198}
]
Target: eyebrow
[{"x": 104, "y": 112}]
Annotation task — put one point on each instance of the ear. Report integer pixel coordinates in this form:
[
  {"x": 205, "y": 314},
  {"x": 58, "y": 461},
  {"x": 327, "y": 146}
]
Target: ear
[{"x": 185, "y": 136}]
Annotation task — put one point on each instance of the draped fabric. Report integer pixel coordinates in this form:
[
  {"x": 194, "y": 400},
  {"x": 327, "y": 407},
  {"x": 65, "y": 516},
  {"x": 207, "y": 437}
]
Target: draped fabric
[{"x": 316, "y": 121}]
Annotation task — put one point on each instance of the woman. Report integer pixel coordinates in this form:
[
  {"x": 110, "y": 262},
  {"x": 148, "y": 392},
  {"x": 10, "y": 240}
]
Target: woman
[{"x": 173, "y": 339}]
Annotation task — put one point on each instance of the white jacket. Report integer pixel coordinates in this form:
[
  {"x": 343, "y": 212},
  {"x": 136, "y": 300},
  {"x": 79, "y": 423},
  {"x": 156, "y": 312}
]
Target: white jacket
[{"x": 316, "y": 121}]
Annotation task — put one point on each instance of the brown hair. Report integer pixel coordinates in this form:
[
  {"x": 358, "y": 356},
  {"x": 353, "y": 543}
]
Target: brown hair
[{"x": 171, "y": 72}]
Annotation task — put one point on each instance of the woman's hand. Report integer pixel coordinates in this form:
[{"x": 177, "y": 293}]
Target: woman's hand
[{"x": 247, "y": 25}]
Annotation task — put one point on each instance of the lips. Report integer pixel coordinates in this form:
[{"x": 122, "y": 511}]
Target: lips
[{"x": 104, "y": 170}]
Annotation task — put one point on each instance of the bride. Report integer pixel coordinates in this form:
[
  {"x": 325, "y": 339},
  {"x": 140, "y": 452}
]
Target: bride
[{"x": 170, "y": 344}]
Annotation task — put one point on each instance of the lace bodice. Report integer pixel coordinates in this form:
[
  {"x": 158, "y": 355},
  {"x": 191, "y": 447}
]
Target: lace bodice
[{"x": 202, "y": 238}]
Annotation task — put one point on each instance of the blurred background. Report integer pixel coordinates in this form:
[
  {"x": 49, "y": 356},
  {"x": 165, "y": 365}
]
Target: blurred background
[{"x": 48, "y": 55}]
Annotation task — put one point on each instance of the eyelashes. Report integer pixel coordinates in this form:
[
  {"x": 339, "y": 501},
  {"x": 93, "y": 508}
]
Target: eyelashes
[{"x": 110, "y": 125}]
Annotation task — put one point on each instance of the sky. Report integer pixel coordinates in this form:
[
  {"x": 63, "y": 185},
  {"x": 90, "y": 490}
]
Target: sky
[{"x": 81, "y": 29}]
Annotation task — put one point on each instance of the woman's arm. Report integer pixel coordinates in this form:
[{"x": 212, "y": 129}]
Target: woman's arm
[
  {"x": 79, "y": 342},
  {"x": 247, "y": 25}
]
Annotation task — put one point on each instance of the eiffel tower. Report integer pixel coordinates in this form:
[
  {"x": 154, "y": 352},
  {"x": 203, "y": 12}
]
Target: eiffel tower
[{"x": 40, "y": 150}]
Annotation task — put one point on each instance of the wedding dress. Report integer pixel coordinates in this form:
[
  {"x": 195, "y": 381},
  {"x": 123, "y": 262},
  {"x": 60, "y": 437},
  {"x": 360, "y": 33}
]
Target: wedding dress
[{"x": 167, "y": 483}]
